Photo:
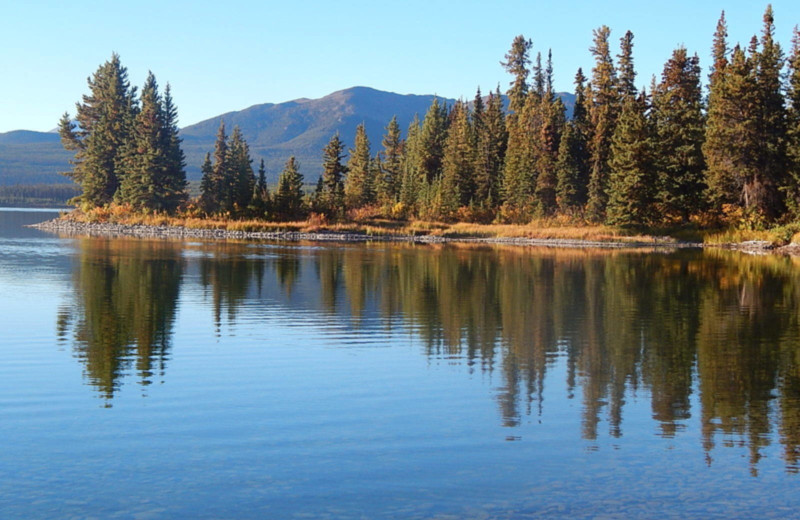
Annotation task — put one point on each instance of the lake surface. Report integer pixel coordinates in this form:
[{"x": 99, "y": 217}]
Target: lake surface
[{"x": 167, "y": 379}]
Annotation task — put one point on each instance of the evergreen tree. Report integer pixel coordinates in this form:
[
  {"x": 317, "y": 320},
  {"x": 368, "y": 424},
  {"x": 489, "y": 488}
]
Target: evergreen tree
[
  {"x": 626, "y": 73},
  {"x": 793, "y": 126},
  {"x": 411, "y": 173},
  {"x": 209, "y": 197},
  {"x": 762, "y": 191},
  {"x": 603, "y": 114},
  {"x": 391, "y": 162},
  {"x": 239, "y": 177},
  {"x": 570, "y": 171},
  {"x": 102, "y": 128},
  {"x": 519, "y": 172},
  {"x": 632, "y": 176},
  {"x": 215, "y": 189},
  {"x": 143, "y": 160},
  {"x": 289, "y": 195},
  {"x": 553, "y": 120},
  {"x": 572, "y": 168},
  {"x": 678, "y": 119},
  {"x": 333, "y": 172},
  {"x": 432, "y": 138},
  {"x": 491, "y": 137},
  {"x": 719, "y": 175},
  {"x": 173, "y": 179},
  {"x": 516, "y": 64},
  {"x": 359, "y": 187},
  {"x": 459, "y": 157}
]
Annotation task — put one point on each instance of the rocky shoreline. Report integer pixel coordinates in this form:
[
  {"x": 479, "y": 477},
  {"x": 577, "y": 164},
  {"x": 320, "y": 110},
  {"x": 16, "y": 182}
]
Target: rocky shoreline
[
  {"x": 105, "y": 229},
  {"x": 98, "y": 229}
]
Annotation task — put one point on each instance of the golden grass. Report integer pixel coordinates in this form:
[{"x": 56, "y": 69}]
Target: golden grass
[{"x": 561, "y": 228}]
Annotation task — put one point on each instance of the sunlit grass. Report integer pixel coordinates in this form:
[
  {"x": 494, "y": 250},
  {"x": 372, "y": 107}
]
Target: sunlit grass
[{"x": 368, "y": 223}]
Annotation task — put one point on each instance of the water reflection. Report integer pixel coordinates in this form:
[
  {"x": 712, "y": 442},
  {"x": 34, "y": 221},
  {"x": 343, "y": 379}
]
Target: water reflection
[
  {"x": 126, "y": 295},
  {"x": 683, "y": 328}
]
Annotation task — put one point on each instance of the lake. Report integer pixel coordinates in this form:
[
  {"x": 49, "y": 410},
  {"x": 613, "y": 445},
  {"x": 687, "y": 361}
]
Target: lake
[{"x": 167, "y": 379}]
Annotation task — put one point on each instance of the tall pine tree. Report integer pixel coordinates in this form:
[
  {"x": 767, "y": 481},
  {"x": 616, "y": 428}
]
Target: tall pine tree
[
  {"x": 102, "y": 126},
  {"x": 677, "y": 115}
]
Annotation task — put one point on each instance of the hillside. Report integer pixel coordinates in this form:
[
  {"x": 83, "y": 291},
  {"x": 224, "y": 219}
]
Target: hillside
[{"x": 274, "y": 131}]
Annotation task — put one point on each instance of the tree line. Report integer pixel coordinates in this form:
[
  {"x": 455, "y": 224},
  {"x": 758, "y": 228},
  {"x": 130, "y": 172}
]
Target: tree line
[{"x": 627, "y": 156}]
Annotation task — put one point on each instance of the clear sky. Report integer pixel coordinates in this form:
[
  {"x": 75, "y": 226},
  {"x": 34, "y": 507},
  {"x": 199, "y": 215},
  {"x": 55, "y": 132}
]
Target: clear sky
[{"x": 224, "y": 56}]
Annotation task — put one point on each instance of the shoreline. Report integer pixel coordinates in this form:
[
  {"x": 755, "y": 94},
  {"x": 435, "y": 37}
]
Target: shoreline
[{"x": 116, "y": 230}]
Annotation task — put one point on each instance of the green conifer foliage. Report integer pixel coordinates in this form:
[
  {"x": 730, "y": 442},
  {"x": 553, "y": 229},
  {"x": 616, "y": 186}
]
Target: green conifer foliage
[
  {"x": 391, "y": 163},
  {"x": 719, "y": 174},
  {"x": 173, "y": 177},
  {"x": 432, "y": 138},
  {"x": 762, "y": 191},
  {"x": 603, "y": 114},
  {"x": 677, "y": 116},
  {"x": 144, "y": 160},
  {"x": 289, "y": 195},
  {"x": 516, "y": 64},
  {"x": 104, "y": 121},
  {"x": 553, "y": 119},
  {"x": 209, "y": 197},
  {"x": 570, "y": 172},
  {"x": 411, "y": 175},
  {"x": 632, "y": 176},
  {"x": 359, "y": 187},
  {"x": 491, "y": 137},
  {"x": 215, "y": 187},
  {"x": 333, "y": 172},
  {"x": 459, "y": 157},
  {"x": 793, "y": 126},
  {"x": 239, "y": 175},
  {"x": 626, "y": 74}
]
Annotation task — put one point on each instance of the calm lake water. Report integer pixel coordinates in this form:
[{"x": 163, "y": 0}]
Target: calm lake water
[{"x": 166, "y": 379}]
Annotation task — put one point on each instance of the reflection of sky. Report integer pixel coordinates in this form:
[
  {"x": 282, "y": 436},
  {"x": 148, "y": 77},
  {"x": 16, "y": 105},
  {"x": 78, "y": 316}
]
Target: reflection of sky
[{"x": 289, "y": 408}]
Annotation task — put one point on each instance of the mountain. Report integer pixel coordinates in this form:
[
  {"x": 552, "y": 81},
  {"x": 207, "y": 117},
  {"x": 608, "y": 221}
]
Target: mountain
[
  {"x": 28, "y": 157},
  {"x": 274, "y": 132}
]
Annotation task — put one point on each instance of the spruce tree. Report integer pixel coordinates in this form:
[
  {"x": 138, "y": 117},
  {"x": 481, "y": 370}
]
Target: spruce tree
[
  {"x": 240, "y": 179},
  {"x": 215, "y": 195},
  {"x": 626, "y": 74},
  {"x": 411, "y": 173},
  {"x": 793, "y": 127},
  {"x": 679, "y": 125},
  {"x": 762, "y": 191},
  {"x": 719, "y": 174},
  {"x": 359, "y": 186},
  {"x": 391, "y": 162},
  {"x": 333, "y": 172},
  {"x": 173, "y": 177},
  {"x": 289, "y": 195},
  {"x": 143, "y": 160},
  {"x": 209, "y": 199},
  {"x": 433, "y": 135},
  {"x": 459, "y": 156},
  {"x": 603, "y": 114},
  {"x": 632, "y": 176},
  {"x": 491, "y": 138},
  {"x": 570, "y": 171},
  {"x": 516, "y": 64},
  {"x": 98, "y": 136},
  {"x": 549, "y": 138}
]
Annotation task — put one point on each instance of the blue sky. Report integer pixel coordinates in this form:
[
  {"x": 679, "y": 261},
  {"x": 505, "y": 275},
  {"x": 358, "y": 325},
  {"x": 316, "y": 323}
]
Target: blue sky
[{"x": 224, "y": 56}]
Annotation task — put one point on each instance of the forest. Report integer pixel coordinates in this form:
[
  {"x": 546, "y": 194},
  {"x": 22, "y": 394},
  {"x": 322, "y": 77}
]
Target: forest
[{"x": 673, "y": 153}]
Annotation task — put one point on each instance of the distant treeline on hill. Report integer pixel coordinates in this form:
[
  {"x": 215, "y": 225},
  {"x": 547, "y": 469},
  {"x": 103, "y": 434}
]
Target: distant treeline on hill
[
  {"x": 37, "y": 195},
  {"x": 627, "y": 156}
]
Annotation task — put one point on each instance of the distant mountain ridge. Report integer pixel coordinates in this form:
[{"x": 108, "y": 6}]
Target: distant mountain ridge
[{"x": 274, "y": 131}]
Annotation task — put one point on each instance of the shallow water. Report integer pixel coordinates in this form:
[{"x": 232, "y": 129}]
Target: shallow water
[{"x": 167, "y": 379}]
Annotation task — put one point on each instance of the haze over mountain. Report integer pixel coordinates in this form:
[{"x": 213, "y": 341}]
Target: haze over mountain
[{"x": 274, "y": 132}]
